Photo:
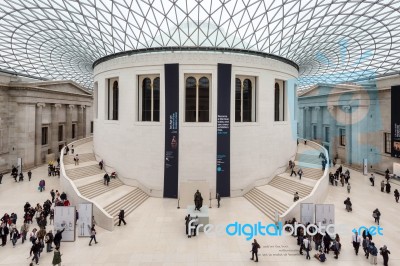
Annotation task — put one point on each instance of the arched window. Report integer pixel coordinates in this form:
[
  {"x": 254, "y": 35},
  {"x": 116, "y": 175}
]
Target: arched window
[
  {"x": 204, "y": 100},
  {"x": 277, "y": 101},
  {"x": 149, "y": 95},
  {"x": 112, "y": 99},
  {"x": 190, "y": 102},
  {"x": 245, "y": 99},
  {"x": 115, "y": 100}
]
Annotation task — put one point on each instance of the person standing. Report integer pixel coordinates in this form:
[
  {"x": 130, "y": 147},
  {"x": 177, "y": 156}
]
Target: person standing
[
  {"x": 35, "y": 250},
  {"x": 58, "y": 237},
  {"x": 76, "y": 159},
  {"x": 366, "y": 242},
  {"x": 307, "y": 247},
  {"x": 93, "y": 236},
  {"x": 4, "y": 232},
  {"x": 356, "y": 242},
  {"x": 105, "y": 177},
  {"x": 327, "y": 242},
  {"x": 348, "y": 187},
  {"x": 254, "y": 250},
  {"x": 53, "y": 195},
  {"x": 24, "y": 231},
  {"x": 374, "y": 253},
  {"x": 121, "y": 217},
  {"x": 396, "y": 195},
  {"x": 57, "y": 257},
  {"x": 29, "y": 175},
  {"x": 1, "y": 177},
  {"x": 108, "y": 180},
  {"x": 382, "y": 186},
  {"x": 187, "y": 220},
  {"x": 101, "y": 164},
  {"x": 14, "y": 236},
  {"x": 300, "y": 173},
  {"x": 72, "y": 149},
  {"x": 385, "y": 254},
  {"x": 76, "y": 216},
  {"x": 49, "y": 240},
  {"x": 218, "y": 199},
  {"x": 372, "y": 179}
]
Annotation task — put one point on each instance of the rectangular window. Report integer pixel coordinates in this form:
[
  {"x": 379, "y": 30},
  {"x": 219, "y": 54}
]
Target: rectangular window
[
  {"x": 73, "y": 131},
  {"x": 91, "y": 127},
  {"x": 45, "y": 139},
  {"x": 327, "y": 134},
  {"x": 279, "y": 100},
  {"x": 112, "y": 99},
  {"x": 149, "y": 98},
  {"x": 342, "y": 134},
  {"x": 388, "y": 143},
  {"x": 197, "y": 97},
  {"x": 60, "y": 133},
  {"x": 245, "y": 99}
]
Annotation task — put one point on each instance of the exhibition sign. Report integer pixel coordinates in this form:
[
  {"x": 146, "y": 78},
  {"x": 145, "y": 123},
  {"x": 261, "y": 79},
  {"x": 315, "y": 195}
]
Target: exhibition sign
[
  {"x": 85, "y": 220},
  {"x": 64, "y": 218},
  {"x": 307, "y": 213},
  {"x": 395, "y": 114},
  {"x": 325, "y": 214}
]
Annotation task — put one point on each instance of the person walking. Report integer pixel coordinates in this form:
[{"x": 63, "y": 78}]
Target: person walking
[
  {"x": 382, "y": 186},
  {"x": 300, "y": 173},
  {"x": 348, "y": 187},
  {"x": 121, "y": 217},
  {"x": 35, "y": 251},
  {"x": 101, "y": 164},
  {"x": 49, "y": 240},
  {"x": 108, "y": 180},
  {"x": 254, "y": 250},
  {"x": 385, "y": 254},
  {"x": 365, "y": 244},
  {"x": 377, "y": 215},
  {"x": 76, "y": 159},
  {"x": 57, "y": 257},
  {"x": 356, "y": 242},
  {"x": 372, "y": 179},
  {"x": 72, "y": 149},
  {"x": 93, "y": 236},
  {"x": 29, "y": 175},
  {"x": 292, "y": 165},
  {"x": 53, "y": 195},
  {"x": 105, "y": 177},
  {"x": 218, "y": 199},
  {"x": 14, "y": 236},
  {"x": 396, "y": 195}
]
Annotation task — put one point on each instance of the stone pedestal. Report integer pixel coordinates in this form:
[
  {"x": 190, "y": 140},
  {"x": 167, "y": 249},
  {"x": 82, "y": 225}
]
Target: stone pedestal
[{"x": 202, "y": 215}]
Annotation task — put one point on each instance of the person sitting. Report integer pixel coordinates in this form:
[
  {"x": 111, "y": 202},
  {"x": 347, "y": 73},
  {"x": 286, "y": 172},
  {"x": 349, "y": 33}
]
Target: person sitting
[
  {"x": 296, "y": 197},
  {"x": 320, "y": 256},
  {"x": 114, "y": 175}
]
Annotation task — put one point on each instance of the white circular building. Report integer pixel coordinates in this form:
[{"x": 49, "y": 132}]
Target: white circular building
[{"x": 164, "y": 116}]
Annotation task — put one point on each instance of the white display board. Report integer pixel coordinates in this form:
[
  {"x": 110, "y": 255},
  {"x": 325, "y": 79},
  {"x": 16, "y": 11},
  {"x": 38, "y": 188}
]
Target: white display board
[
  {"x": 324, "y": 214},
  {"x": 365, "y": 167},
  {"x": 396, "y": 169},
  {"x": 85, "y": 221},
  {"x": 64, "y": 218},
  {"x": 307, "y": 213}
]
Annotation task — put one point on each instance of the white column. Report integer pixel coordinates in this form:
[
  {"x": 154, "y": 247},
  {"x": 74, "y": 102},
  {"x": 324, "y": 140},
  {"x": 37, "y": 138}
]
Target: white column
[
  {"x": 332, "y": 131},
  {"x": 69, "y": 122},
  {"x": 318, "y": 116},
  {"x": 81, "y": 124},
  {"x": 54, "y": 128}
]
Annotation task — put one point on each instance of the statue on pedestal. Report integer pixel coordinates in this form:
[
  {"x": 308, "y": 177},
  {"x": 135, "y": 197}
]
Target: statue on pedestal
[{"x": 198, "y": 201}]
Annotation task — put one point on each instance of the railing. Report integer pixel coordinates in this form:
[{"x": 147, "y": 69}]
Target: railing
[
  {"x": 319, "y": 192},
  {"x": 102, "y": 218}
]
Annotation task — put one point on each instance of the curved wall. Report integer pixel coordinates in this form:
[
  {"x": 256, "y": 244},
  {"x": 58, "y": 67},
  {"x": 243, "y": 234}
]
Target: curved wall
[{"x": 136, "y": 149}]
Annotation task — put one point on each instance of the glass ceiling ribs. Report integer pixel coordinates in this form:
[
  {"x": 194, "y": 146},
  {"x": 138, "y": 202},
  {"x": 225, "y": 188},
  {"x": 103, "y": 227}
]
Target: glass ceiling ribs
[{"x": 331, "y": 41}]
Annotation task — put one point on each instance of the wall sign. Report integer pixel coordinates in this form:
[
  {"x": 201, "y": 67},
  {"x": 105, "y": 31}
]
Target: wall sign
[{"x": 395, "y": 96}]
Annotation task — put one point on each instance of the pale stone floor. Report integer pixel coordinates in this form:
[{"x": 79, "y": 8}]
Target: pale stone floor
[{"x": 155, "y": 233}]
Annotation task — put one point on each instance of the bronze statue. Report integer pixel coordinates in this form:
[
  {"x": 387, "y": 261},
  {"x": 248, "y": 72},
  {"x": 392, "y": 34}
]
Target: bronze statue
[{"x": 198, "y": 200}]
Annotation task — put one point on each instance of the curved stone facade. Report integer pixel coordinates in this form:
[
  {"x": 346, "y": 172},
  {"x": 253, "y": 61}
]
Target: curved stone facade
[{"x": 138, "y": 150}]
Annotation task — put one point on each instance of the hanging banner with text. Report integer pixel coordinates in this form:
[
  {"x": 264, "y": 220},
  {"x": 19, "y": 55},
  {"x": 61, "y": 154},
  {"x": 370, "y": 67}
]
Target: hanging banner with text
[
  {"x": 171, "y": 130},
  {"x": 223, "y": 130},
  {"x": 395, "y": 121}
]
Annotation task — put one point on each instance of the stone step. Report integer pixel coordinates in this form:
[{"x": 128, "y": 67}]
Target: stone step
[
  {"x": 83, "y": 157},
  {"x": 311, "y": 173},
  {"x": 263, "y": 203},
  {"x": 128, "y": 203},
  {"x": 290, "y": 186},
  {"x": 84, "y": 171},
  {"x": 279, "y": 206},
  {"x": 97, "y": 188}
]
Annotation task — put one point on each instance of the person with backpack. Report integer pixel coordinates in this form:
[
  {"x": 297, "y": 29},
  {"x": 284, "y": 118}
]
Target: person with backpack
[
  {"x": 377, "y": 215},
  {"x": 348, "y": 204},
  {"x": 374, "y": 253},
  {"x": 254, "y": 250}
]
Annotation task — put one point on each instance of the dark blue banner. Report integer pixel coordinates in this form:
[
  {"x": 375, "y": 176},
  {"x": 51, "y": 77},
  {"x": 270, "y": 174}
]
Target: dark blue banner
[
  {"x": 395, "y": 121},
  {"x": 223, "y": 130},
  {"x": 171, "y": 131}
]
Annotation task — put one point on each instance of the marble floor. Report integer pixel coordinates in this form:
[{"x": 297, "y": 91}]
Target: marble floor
[{"x": 155, "y": 231}]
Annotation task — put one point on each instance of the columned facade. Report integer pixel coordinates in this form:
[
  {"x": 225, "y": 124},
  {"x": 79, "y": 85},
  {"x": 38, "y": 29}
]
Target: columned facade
[{"x": 38, "y": 133}]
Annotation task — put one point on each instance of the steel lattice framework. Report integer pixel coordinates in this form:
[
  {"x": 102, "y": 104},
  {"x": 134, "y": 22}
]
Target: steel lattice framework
[{"x": 331, "y": 41}]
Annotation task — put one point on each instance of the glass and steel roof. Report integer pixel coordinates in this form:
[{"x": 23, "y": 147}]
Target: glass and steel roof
[{"x": 330, "y": 41}]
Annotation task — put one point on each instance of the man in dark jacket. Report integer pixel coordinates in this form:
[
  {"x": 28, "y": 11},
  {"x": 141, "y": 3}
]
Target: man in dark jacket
[
  {"x": 4, "y": 232},
  {"x": 121, "y": 217},
  {"x": 49, "y": 240},
  {"x": 58, "y": 237},
  {"x": 35, "y": 250},
  {"x": 385, "y": 254},
  {"x": 254, "y": 250},
  {"x": 327, "y": 242}
]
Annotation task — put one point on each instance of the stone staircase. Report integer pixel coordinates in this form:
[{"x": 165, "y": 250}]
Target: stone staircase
[
  {"x": 266, "y": 204},
  {"x": 83, "y": 158},
  {"x": 84, "y": 171},
  {"x": 128, "y": 203},
  {"x": 290, "y": 186},
  {"x": 97, "y": 188},
  {"x": 277, "y": 195}
]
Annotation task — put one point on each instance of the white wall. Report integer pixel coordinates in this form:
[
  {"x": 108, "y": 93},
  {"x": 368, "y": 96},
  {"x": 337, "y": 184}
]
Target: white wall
[{"x": 136, "y": 149}]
